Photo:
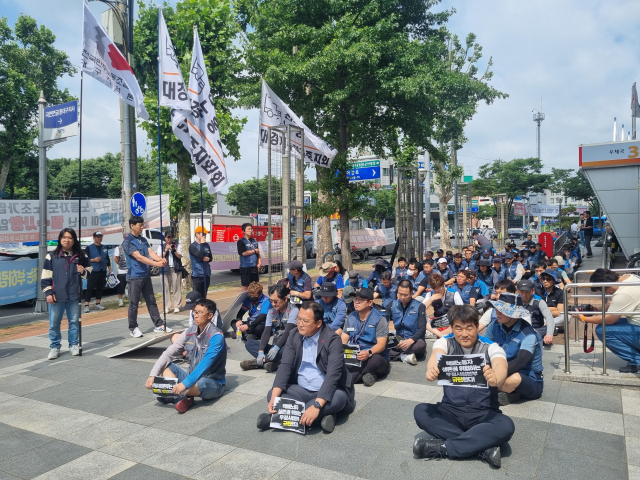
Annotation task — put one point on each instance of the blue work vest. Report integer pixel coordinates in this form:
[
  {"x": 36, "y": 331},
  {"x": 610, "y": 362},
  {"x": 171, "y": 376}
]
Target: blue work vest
[
  {"x": 357, "y": 283},
  {"x": 401, "y": 272},
  {"x": 447, "y": 274},
  {"x": 198, "y": 267},
  {"x": 331, "y": 310},
  {"x": 387, "y": 295},
  {"x": 405, "y": 321},
  {"x": 471, "y": 264},
  {"x": 442, "y": 306},
  {"x": 511, "y": 271},
  {"x": 486, "y": 278},
  {"x": 249, "y": 261},
  {"x": 454, "y": 268},
  {"x": 364, "y": 333},
  {"x": 197, "y": 349},
  {"x": 511, "y": 342},
  {"x": 537, "y": 320},
  {"x": 136, "y": 268},
  {"x": 99, "y": 251},
  {"x": 465, "y": 292},
  {"x": 297, "y": 285},
  {"x": 255, "y": 308},
  {"x": 497, "y": 276},
  {"x": 374, "y": 277}
]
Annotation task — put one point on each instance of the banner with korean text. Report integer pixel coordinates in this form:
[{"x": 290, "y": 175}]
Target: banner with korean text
[{"x": 18, "y": 280}]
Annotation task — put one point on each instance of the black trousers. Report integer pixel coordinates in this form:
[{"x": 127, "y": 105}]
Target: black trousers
[
  {"x": 96, "y": 281},
  {"x": 122, "y": 277},
  {"x": 255, "y": 330},
  {"x": 296, "y": 392},
  {"x": 201, "y": 284},
  {"x": 376, "y": 364},
  {"x": 466, "y": 433},
  {"x": 142, "y": 287},
  {"x": 419, "y": 348},
  {"x": 587, "y": 243}
]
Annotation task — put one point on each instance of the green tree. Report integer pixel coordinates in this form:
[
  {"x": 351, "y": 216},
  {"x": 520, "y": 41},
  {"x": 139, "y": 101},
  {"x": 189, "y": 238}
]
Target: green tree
[
  {"x": 383, "y": 206},
  {"x": 250, "y": 196},
  {"x": 574, "y": 184},
  {"x": 208, "y": 200},
  {"x": 486, "y": 212},
  {"x": 215, "y": 20},
  {"x": 29, "y": 64}
]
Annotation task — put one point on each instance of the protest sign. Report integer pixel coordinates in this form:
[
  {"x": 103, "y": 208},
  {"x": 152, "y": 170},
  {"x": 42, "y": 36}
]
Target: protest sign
[
  {"x": 112, "y": 281},
  {"x": 288, "y": 416},
  {"x": 350, "y": 354},
  {"x": 462, "y": 370},
  {"x": 162, "y": 387},
  {"x": 18, "y": 280},
  {"x": 440, "y": 322}
]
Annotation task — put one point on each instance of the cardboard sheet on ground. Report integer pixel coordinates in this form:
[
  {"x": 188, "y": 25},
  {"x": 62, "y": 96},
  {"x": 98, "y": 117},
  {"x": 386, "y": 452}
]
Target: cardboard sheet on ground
[
  {"x": 462, "y": 370},
  {"x": 146, "y": 341},
  {"x": 288, "y": 416},
  {"x": 230, "y": 315}
]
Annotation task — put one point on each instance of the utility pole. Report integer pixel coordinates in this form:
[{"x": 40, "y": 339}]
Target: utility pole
[
  {"x": 41, "y": 302},
  {"x": 454, "y": 158}
]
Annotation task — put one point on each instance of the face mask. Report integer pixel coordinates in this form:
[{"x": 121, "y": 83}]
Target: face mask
[{"x": 411, "y": 272}]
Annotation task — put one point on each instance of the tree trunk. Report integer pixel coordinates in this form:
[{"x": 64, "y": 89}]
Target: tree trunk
[
  {"x": 184, "y": 222},
  {"x": 323, "y": 236},
  {"x": 409, "y": 204},
  {"x": 4, "y": 173},
  {"x": 401, "y": 249},
  {"x": 345, "y": 237},
  {"x": 444, "y": 194}
]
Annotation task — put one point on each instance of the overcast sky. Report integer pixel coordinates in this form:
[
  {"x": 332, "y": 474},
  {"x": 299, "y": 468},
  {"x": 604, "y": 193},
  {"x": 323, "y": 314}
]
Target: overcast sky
[{"x": 578, "y": 56}]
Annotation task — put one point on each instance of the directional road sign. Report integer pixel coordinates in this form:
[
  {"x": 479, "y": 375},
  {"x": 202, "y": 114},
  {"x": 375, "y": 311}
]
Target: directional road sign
[
  {"x": 61, "y": 121},
  {"x": 368, "y": 173}
]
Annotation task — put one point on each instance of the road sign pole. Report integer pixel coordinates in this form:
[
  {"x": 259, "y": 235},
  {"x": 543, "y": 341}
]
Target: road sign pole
[{"x": 41, "y": 303}]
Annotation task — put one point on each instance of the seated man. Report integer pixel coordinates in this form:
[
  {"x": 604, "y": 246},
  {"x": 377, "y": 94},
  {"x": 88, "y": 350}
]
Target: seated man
[
  {"x": 299, "y": 281},
  {"x": 329, "y": 272},
  {"x": 541, "y": 318},
  {"x": 356, "y": 280},
  {"x": 441, "y": 299},
  {"x": 415, "y": 267},
  {"x": 469, "y": 260},
  {"x": 482, "y": 291},
  {"x": 457, "y": 263},
  {"x": 554, "y": 264},
  {"x": 335, "y": 310},
  {"x": 444, "y": 270},
  {"x": 206, "y": 352},
  {"x": 281, "y": 319},
  {"x": 313, "y": 371},
  {"x": 513, "y": 269},
  {"x": 409, "y": 318},
  {"x": 553, "y": 297},
  {"x": 256, "y": 305},
  {"x": 423, "y": 280},
  {"x": 464, "y": 289},
  {"x": 379, "y": 267},
  {"x": 468, "y": 421},
  {"x": 523, "y": 347},
  {"x": 485, "y": 274},
  {"x": 401, "y": 270},
  {"x": 489, "y": 315},
  {"x": 538, "y": 268},
  {"x": 369, "y": 329},
  {"x": 386, "y": 290},
  {"x": 622, "y": 331}
]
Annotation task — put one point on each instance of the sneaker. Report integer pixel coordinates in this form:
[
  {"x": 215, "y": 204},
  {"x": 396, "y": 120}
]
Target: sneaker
[
  {"x": 369, "y": 379},
  {"x": 99, "y": 306},
  {"x": 271, "y": 367},
  {"x": 410, "y": 359},
  {"x": 86, "y": 309},
  {"x": 249, "y": 364},
  {"x": 121, "y": 303},
  {"x": 161, "y": 329},
  {"x": 328, "y": 423},
  {"x": 430, "y": 335},
  {"x": 53, "y": 354},
  {"x": 136, "y": 333},
  {"x": 429, "y": 448},
  {"x": 556, "y": 331},
  {"x": 507, "y": 398},
  {"x": 185, "y": 404},
  {"x": 264, "y": 421},
  {"x": 176, "y": 310},
  {"x": 74, "y": 350},
  {"x": 492, "y": 456},
  {"x": 167, "y": 310},
  {"x": 629, "y": 369}
]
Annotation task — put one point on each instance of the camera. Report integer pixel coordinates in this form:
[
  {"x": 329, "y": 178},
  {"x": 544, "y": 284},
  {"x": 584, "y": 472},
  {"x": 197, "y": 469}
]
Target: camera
[{"x": 582, "y": 308}]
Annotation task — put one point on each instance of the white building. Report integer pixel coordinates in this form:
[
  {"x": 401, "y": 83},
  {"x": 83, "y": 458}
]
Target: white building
[{"x": 556, "y": 198}]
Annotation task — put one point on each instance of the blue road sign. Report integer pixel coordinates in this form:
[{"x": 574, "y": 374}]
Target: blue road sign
[
  {"x": 61, "y": 121},
  {"x": 138, "y": 204},
  {"x": 366, "y": 173}
]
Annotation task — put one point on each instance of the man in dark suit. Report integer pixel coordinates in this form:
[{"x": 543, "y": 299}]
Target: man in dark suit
[{"x": 312, "y": 370}]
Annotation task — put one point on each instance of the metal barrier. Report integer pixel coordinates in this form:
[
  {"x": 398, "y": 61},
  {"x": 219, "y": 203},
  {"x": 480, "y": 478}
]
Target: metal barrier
[
  {"x": 558, "y": 243},
  {"x": 603, "y": 296}
]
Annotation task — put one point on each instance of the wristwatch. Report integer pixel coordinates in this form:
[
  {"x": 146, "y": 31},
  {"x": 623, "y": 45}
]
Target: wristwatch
[
  {"x": 370, "y": 353},
  {"x": 317, "y": 405}
]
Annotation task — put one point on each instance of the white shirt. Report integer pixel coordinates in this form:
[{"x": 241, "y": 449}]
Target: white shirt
[
  {"x": 457, "y": 299},
  {"x": 495, "y": 350},
  {"x": 116, "y": 253},
  {"x": 170, "y": 257},
  {"x": 627, "y": 299},
  {"x": 574, "y": 227}
]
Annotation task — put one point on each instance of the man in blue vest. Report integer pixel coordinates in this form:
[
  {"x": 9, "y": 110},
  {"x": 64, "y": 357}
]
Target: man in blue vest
[
  {"x": 413, "y": 273},
  {"x": 409, "y": 318},
  {"x": 335, "y": 310},
  {"x": 257, "y": 305},
  {"x": 379, "y": 267},
  {"x": 368, "y": 329},
  {"x": 466, "y": 291},
  {"x": 299, "y": 281},
  {"x": 386, "y": 290},
  {"x": 401, "y": 270},
  {"x": 250, "y": 261},
  {"x": 206, "y": 352},
  {"x": 457, "y": 264},
  {"x": 541, "y": 318},
  {"x": 200, "y": 256},
  {"x": 485, "y": 274},
  {"x": 468, "y": 421},
  {"x": 444, "y": 270},
  {"x": 498, "y": 271},
  {"x": 98, "y": 255},
  {"x": 481, "y": 288},
  {"x": 513, "y": 269},
  {"x": 469, "y": 261},
  {"x": 356, "y": 280},
  {"x": 139, "y": 260},
  {"x": 523, "y": 348}
]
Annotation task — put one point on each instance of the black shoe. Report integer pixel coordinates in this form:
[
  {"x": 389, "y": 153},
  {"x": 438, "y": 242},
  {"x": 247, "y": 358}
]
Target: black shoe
[
  {"x": 629, "y": 369},
  {"x": 249, "y": 364},
  {"x": 556, "y": 331},
  {"x": 271, "y": 367},
  {"x": 328, "y": 423},
  {"x": 264, "y": 421},
  {"x": 369, "y": 379},
  {"x": 431, "y": 448},
  {"x": 507, "y": 398},
  {"x": 492, "y": 457}
]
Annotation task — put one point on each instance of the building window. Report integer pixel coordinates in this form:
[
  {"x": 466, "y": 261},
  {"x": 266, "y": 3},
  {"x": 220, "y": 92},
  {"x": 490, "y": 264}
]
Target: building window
[{"x": 385, "y": 172}]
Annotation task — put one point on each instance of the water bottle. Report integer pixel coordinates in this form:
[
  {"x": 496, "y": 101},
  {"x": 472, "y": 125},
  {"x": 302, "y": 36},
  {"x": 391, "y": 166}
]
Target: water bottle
[{"x": 239, "y": 336}]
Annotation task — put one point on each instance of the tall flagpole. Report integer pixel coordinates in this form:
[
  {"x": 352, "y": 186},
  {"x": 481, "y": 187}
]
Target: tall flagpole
[
  {"x": 206, "y": 287},
  {"x": 164, "y": 302},
  {"x": 80, "y": 214}
]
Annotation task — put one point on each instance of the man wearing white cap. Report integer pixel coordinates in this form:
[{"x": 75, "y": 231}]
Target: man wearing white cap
[{"x": 98, "y": 255}]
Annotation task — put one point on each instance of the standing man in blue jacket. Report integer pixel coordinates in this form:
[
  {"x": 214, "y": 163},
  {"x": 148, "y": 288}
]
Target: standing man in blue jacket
[
  {"x": 250, "y": 261},
  {"x": 98, "y": 255},
  {"x": 200, "y": 256}
]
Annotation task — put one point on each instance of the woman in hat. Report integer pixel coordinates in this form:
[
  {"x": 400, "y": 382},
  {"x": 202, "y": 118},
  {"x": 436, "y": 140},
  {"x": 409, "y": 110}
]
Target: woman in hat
[
  {"x": 329, "y": 273},
  {"x": 512, "y": 330}
]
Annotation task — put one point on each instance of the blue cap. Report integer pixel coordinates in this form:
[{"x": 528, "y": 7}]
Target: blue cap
[{"x": 508, "y": 255}]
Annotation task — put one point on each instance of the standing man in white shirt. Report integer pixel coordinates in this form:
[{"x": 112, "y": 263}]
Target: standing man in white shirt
[
  {"x": 121, "y": 266},
  {"x": 172, "y": 273}
]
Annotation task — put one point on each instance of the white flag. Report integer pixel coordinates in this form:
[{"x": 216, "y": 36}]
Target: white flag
[
  {"x": 174, "y": 92},
  {"x": 206, "y": 147},
  {"x": 103, "y": 61},
  {"x": 274, "y": 112}
]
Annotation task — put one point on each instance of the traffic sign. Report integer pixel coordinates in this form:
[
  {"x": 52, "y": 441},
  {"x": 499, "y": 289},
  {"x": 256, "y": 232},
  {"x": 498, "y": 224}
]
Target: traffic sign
[
  {"x": 138, "y": 204},
  {"x": 61, "y": 121},
  {"x": 367, "y": 173},
  {"x": 364, "y": 163}
]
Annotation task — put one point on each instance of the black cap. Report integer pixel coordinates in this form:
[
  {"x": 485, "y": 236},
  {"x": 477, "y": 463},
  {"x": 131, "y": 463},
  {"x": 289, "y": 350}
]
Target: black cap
[
  {"x": 363, "y": 293},
  {"x": 353, "y": 274},
  {"x": 295, "y": 265},
  {"x": 192, "y": 298},
  {"x": 526, "y": 285},
  {"x": 440, "y": 250},
  {"x": 484, "y": 262},
  {"x": 328, "y": 289}
]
